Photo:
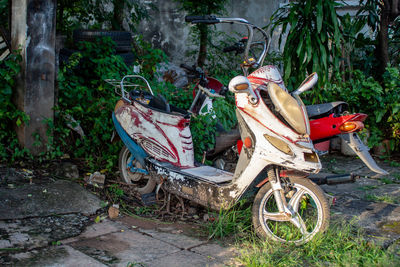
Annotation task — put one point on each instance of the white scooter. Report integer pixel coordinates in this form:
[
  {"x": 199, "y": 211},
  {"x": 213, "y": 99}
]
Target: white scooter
[{"x": 273, "y": 165}]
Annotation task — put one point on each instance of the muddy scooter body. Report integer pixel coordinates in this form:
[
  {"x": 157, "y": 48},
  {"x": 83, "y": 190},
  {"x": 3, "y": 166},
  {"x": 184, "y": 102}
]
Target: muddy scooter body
[{"x": 273, "y": 166}]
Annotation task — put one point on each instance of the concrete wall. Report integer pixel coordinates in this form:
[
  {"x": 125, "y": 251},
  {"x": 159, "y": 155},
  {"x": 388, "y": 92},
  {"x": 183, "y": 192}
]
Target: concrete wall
[{"x": 167, "y": 29}]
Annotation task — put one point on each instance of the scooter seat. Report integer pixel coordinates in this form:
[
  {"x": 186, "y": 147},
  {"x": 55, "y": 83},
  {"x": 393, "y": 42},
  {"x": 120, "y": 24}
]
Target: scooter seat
[
  {"x": 320, "y": 110},
  {"x": 287, "y": 107}
]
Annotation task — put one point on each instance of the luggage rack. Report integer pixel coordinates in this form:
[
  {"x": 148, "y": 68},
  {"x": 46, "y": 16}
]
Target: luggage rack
[{"x": 120, "y": 85}]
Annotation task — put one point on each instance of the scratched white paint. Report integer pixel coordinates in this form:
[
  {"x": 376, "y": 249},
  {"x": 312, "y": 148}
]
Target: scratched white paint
[{"x": 155, "y": 131}]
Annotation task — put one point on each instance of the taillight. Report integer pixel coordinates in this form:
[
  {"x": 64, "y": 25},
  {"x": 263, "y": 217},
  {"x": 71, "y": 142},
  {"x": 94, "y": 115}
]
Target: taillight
[{"x": 351, "y": 126}]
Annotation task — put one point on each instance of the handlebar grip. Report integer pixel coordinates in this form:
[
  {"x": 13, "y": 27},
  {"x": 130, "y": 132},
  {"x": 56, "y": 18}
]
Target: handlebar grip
[
  {"x": 207, "y": 19},
  {"x": 192, "y": 18}
]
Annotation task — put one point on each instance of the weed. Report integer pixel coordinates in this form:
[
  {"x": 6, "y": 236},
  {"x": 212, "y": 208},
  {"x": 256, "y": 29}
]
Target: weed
[
  {"x": 386, "y": 180},
  {"x": 341, "y": 245},
  {"x": 384, "y": 198},
  {"x": 236, "y": 221},
  {"x": 143, "y": 210},
  {"x": 394, "y": 163},
  {"x": 115, "y": 193},
  {"x": 367, "y": 187},
  {"x": 56, "y": 243}
]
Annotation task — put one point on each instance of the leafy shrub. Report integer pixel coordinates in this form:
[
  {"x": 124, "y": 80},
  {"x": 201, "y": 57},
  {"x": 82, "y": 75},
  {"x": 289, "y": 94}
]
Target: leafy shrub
[
  {"x": 84, "y": 96},
  {"x": 381, "y": 103},
  {"x": 313, "y": 40},
  {"x": 10, "y": 116}
]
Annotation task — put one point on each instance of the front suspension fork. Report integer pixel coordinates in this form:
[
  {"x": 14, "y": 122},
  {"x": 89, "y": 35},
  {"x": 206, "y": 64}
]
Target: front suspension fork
[{"x": 279, "y": 193}]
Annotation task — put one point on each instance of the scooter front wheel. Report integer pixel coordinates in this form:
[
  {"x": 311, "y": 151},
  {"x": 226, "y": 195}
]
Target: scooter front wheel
[
  {"x": 309, "y": 212},
  {"x": 144, "y": 182}
]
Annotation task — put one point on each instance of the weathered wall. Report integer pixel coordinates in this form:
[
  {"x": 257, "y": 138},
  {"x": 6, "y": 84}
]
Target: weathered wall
[
  {"x": 33, "y": 30},
  {"x": 167, "y": 29}
]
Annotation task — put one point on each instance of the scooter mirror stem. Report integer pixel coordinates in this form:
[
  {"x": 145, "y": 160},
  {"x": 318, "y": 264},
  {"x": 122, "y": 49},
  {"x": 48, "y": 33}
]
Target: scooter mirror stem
[
  {"x": 240, "y": 84},
  {"x": 307, "y": 84}
]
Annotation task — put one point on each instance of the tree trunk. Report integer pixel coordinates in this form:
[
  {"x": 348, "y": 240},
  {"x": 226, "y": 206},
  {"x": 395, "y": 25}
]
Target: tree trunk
[
  {"x": 203, "y": 46},
  {"x": 118, "y": 14},
  {"x": 382, "y": 52}
]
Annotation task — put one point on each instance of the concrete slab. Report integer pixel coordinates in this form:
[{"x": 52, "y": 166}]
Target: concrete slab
[
  {"x": 177, "y": 239},
  {"x": 63, "y": 256},
  {"x": 124, "y": 247},
  {"x": 60, "y": 197},
  {"x": 215, "y": 251},
  {"x": 183, "y": 258},
  {"x": 98, "y": 229},
  {"x": 39, "y": 232}
]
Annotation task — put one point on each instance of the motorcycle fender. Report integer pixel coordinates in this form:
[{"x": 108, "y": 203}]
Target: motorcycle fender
[
  {"x": 134, "y": 148},
  {"x": 361, "y": 150}
]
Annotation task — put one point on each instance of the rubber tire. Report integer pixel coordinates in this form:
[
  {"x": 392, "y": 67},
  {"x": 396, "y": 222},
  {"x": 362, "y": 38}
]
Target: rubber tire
[
  {"x": 128, "y": 58},
  {"x": 90, "y": 35},
  {"x": 124, "y": 155},
  {"x": 301, "y": 181}
]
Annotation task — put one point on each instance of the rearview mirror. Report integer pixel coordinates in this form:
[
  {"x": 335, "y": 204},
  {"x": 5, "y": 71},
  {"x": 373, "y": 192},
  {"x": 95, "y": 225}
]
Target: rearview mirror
[
  {"x": 307, "y": 84},
  {"x": 241, "y": 84}
]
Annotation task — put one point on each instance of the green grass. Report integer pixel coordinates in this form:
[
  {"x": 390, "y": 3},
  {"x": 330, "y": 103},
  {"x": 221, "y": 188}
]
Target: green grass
[
  {"x": 235, "y": 221},
  {"x": 341, "y": 245},
  {"x": 383, "y": 198}
]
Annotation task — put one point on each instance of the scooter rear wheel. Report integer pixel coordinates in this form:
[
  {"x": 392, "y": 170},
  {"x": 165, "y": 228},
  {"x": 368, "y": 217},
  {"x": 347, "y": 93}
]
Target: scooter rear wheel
[
  {"x": 144, "y": 183},
  {"x": 305, "y": 198}
]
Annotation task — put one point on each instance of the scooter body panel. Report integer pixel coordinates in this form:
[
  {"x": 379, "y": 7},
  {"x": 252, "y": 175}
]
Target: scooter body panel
[
  {"x": 133, "y": 147},
  {"x": 329, "y": 126},
  {"x": 164, "y": 136}
]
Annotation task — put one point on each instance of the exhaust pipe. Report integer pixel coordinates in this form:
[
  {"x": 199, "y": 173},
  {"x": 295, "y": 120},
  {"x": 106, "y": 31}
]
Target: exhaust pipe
[{"x": 321, "y": 178}]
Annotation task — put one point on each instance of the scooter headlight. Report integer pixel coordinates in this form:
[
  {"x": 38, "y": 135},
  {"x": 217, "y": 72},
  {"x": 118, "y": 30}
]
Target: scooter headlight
[{"x": 279, "y": 144}]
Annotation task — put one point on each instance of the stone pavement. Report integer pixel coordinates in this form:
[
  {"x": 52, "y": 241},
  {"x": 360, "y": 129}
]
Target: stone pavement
[
  {"x": 113, "y": 243},
  {"x": 372, "y": 202},
  {"x": 45, "y": 223}
]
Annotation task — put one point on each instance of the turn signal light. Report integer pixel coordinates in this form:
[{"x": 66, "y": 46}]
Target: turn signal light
[
  {"x": 351, "y": 126},
  {"x": 247, "y": 142}
]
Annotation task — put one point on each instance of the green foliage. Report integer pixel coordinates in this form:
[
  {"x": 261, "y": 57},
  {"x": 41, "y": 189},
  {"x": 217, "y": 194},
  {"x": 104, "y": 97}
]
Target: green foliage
[
  {"x": 4, "y": 7},
  {"x": 234, "y": 221},
  {"x": 10, "y": 116},
  {"x": 98, "y": 15},
  {"x": 84, "y": 96},
  {"x": 148, "y": 57},
  {"x": 381, "y": 103},
  {"x": 313, "y": 40},
  {"x": 207, "y": 7}
]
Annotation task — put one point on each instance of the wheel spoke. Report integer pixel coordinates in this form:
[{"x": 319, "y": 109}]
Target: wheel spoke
[
  {"x": 299, "y": 223},
  {"x": 276, "y": 216},
  {"x": 295, "y": 200}
]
